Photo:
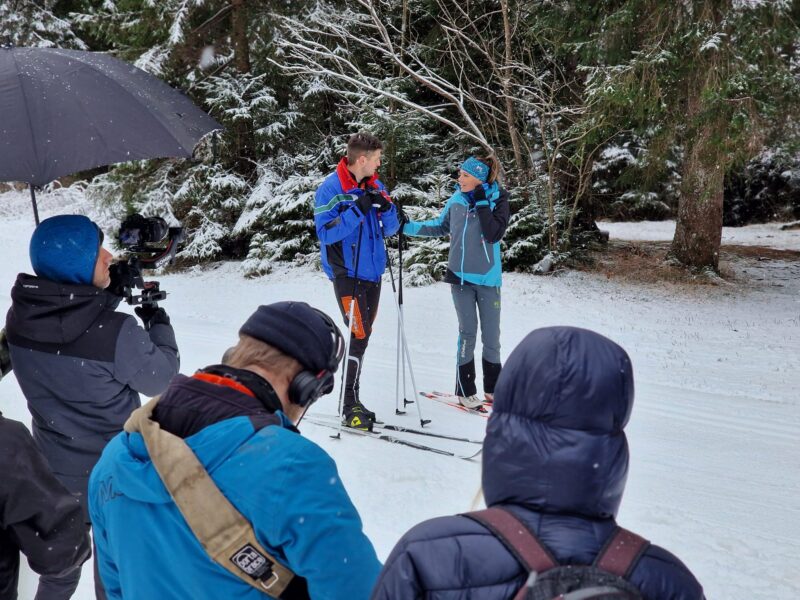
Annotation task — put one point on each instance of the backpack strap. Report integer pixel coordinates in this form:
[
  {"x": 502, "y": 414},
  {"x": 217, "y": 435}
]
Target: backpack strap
[
  {"x": 224, "y": 533},
  {"x": 621, "y": 552},
  {"x": 515, "y": 536}
]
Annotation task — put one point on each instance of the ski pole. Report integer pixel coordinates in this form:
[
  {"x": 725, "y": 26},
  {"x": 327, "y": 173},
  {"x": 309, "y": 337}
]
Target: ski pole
[
  {"x": 350, "y": 328},
  {"x": 397, "y": 410},
  {"x": 400, "y": 240},
  {"x": 407, "y": 354},
  {"x": 400, "y": 363},
  {"x": 401, "y": 357}
]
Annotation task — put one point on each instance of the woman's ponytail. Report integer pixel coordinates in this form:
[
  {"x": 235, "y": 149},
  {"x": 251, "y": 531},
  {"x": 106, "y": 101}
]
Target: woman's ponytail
[{"x": 493, "y": 164}]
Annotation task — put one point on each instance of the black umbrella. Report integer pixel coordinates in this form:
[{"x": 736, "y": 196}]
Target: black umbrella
[{"x": 63, "y": 111}]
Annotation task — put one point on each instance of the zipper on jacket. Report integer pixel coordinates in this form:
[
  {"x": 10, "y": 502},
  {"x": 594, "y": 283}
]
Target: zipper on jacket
[
  {"x": 485, "y": 251},
  {"x": 463, "y": 248}
]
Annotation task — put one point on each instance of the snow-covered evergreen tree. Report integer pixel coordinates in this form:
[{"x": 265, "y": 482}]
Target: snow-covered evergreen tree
[{"x": 28, "y": 23}]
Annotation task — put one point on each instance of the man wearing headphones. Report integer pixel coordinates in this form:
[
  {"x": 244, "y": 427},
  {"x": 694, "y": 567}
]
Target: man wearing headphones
[{"x": 239, "y": 419}]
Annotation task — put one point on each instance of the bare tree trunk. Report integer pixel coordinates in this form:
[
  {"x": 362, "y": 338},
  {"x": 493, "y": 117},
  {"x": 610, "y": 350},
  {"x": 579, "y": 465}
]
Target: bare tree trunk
[
  {"x": 507, "y": 93},
  {"x": 245, "y": 139},
  {"x": 391, "y": 180},
  {"x": 698, "y": 231},
  {"x": 241, "y": 45}
]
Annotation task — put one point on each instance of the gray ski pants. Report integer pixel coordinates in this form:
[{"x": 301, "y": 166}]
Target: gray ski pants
[{"x": 470, "y": 302}]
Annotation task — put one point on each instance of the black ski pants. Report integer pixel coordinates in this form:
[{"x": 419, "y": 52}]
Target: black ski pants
[{"x": 367, "y": 297}]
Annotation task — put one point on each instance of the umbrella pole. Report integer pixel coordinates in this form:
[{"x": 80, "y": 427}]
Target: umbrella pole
[{"x": 33, "y": 202}]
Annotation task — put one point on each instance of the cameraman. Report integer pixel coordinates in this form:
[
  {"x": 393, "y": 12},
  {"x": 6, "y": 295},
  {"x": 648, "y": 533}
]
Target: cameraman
[{"x": 81, "y": 365}]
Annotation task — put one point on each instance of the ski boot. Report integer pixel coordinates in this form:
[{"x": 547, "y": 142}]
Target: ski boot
[
  {"x": 356, "y": 416},
  {"x": 471, "y": 402},
  {"x": 491, "y": 371}
]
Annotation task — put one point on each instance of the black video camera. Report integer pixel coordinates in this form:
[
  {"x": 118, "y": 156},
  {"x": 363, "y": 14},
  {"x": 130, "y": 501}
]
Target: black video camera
[{"x": 150, "y": 244}]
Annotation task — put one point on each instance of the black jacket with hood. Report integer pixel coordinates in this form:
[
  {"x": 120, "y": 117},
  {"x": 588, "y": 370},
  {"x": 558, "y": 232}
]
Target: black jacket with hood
[
  {"x": 81, "y": 366},
  {"x": 38, "y": 516}
]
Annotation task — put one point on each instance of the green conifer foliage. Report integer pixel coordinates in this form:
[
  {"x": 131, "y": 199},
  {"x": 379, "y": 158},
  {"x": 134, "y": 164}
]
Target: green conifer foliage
[
  {"x": 41, "y": 24},
  {"x": 715, "y": 77}
]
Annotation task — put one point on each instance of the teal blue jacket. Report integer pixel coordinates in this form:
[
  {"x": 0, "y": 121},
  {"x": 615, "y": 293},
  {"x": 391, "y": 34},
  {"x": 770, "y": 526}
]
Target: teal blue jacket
[
  {"x": 475, "y": 230},
  {"x": 284, "y": 484}
]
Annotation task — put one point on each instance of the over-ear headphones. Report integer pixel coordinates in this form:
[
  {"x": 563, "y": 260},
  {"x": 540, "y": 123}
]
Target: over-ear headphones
[{"x": 307, "y": 387}]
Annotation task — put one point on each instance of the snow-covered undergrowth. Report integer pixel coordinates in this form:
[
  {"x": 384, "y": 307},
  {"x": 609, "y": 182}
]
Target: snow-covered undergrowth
[{"x": 714, "y": 473}]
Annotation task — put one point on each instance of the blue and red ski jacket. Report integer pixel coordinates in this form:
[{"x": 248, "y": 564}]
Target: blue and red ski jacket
[{"x": 337, "y": 219}]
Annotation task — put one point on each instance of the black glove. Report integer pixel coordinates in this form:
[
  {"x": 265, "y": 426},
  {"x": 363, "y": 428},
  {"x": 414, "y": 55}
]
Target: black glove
[
  {"x": 383, "y": 203},
  {"x": 152, "y": 315},
  {"x": 122, "y": 278},
  {"x": 402, "y": 217},
  {"x": 5, "y": 355},
  {"x": 378, "y": 199},
  {"x": 364, "y": 203},
  {"x": 479, "y": 193}
]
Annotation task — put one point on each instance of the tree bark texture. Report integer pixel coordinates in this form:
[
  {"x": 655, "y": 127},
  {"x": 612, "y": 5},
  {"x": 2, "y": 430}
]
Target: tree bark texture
[
  {"x": 241, "y": 45},
  {"x": 506, "y": 78},
  {"x": 245, "y": 139},
  {"x": 698, "y": 232}
]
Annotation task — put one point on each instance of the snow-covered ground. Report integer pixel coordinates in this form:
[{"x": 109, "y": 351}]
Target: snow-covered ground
[
  {"x": 768, "y": 234},
  {"x": 715, "y": 471}
]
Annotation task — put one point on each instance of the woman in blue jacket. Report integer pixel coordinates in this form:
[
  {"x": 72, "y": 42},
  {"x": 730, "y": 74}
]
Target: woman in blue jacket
[
  {"x": 475, "y": 217},
  {"x": 555, "y": 455}
]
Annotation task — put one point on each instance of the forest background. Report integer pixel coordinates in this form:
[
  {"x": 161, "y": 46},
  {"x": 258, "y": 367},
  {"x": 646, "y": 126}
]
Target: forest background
[{"x": 615, "y": 109}]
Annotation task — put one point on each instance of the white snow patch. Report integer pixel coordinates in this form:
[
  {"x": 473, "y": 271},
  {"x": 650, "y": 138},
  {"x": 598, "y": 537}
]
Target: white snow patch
[
  {"x": 713, "y": 434},
  {"x": 768, "y": 234}
]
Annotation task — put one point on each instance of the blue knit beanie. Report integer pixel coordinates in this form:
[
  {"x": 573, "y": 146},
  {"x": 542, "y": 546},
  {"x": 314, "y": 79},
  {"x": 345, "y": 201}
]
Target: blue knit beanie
[{"x": 65, "y": 248}]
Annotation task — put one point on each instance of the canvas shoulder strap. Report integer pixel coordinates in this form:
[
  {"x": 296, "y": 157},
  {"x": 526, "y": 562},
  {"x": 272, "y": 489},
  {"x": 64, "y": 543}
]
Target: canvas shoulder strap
[
  {"x": 224, "y": 533},
  {"x": 516, "y": 536},
  {"x": 621, "y": 552}
]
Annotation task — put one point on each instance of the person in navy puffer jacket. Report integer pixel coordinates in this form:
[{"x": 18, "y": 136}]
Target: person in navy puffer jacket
[{"x": 556, "y": 455}]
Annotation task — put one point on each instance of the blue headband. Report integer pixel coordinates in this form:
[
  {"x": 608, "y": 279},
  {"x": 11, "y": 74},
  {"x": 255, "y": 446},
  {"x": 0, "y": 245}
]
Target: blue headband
[{"x": 476, "y": 168}]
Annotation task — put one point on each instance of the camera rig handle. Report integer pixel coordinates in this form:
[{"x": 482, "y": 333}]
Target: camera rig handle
[{"x": 151, "y": 245}]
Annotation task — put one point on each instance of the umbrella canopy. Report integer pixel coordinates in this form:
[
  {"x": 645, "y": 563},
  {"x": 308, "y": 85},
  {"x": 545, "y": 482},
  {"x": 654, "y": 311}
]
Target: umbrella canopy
[{"x": 63, "y": 111}]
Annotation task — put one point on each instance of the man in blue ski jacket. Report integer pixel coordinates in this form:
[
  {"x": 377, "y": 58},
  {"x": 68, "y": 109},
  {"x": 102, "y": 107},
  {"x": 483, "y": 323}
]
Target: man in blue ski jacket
[
  {"x": 353, "y": 213},
  {"x": 240, "y": 421}
]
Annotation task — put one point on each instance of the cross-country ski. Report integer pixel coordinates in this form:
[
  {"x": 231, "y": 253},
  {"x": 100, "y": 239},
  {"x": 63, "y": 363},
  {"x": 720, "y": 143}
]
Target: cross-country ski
[
  {"x": 378, "y": 434},
  {"x": 452, "y": 401}
]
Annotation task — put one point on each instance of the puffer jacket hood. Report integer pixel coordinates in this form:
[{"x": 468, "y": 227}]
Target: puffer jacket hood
[
  {"x": 555, "y": 440},
  {"x": 55, "y": 313}
]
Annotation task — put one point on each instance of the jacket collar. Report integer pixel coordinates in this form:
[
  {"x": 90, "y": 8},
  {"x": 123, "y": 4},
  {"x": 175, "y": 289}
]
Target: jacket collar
[
  {"x": 348, "y": 181},
  {"x": 191, "y": 404}
]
